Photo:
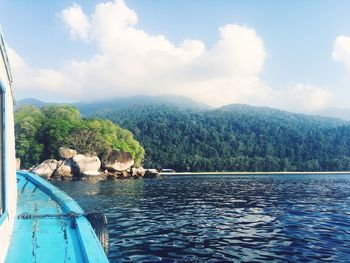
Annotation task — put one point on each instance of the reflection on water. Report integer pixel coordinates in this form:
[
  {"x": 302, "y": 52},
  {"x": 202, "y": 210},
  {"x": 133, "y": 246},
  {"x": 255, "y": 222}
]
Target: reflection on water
[{"x": 216, "y": 218}]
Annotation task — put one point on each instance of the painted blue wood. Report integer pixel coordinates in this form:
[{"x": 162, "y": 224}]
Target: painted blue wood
[
  {"x": 57, "y": 239},
  {"x": 8, "y": 178}
]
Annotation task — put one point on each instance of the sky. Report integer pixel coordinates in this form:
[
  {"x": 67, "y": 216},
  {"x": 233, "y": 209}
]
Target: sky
[{"x": 293, "y": 55}]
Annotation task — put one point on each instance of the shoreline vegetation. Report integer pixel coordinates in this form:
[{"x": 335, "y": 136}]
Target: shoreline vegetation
[{"x": 40, "y": 132}]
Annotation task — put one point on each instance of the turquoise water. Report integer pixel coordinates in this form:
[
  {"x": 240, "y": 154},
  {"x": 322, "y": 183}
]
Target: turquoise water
[{"x": 223, "y": 218}]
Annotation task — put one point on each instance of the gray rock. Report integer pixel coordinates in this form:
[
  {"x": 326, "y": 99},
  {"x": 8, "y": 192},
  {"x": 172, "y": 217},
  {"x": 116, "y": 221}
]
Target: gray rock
[
  {"x": 138, "y": 171},
  {"x": 123, "y": 174},
  {"x": 85, "y": 164},
  {"x": 46, "y": 168},
  {"x": 117, "y": 160},
  {"x": 66, "y": 153},
  {"x": 151, "y": 173},
  {"x": 64, "y": 169},
  {"x": 92, "y": 176}
]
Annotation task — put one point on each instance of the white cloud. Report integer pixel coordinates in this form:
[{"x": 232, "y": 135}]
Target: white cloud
[
  {"x": 77, "y": 22},
  {"x": 38, "y": 83},
  {"x": 129, "y": 61},
  {"x": 305, "y": 98},
  {"x": 341, "y": 50}
]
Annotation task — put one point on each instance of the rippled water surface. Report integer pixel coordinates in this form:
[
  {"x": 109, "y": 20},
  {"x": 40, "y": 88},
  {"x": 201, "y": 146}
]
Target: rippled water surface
[{"x": 223, "y": 218}]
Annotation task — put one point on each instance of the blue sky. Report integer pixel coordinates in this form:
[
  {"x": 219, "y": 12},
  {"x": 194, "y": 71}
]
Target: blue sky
[{"x": 291, "y": 41}]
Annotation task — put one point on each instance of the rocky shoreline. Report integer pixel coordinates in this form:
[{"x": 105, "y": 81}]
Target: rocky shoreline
[{"x": 114, "y": 164}]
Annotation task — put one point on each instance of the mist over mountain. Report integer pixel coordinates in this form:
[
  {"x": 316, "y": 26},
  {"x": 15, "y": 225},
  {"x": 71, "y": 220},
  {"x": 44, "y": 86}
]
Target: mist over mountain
[
  {"x": 29, "y": 101},
  {"x": 136, "y": 101},
  {"x": 118, "y": 103},
  {"x": 338, "y": 113}
]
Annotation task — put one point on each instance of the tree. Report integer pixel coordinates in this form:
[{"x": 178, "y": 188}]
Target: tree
[
  {"x": 41, "y": 132},
  {"x": 28, "y": 122},
  {"x": 235, "y": 138},
  {"x": 86, "y": 142}
]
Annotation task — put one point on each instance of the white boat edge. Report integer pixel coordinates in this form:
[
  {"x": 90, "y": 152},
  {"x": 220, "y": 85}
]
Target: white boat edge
[{"x": 8, "y": 161}]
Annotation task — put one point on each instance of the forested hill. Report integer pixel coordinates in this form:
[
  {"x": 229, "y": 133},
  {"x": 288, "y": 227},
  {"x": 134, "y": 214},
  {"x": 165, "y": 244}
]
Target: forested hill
[
  {"x": 188, "y": 136},
  {"x": 235, "y": 138}
]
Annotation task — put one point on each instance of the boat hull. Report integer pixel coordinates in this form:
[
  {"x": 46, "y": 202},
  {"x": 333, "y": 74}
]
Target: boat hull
[
  {"x": 7, "y": 156},
  {"x": 50, "y": 226}
]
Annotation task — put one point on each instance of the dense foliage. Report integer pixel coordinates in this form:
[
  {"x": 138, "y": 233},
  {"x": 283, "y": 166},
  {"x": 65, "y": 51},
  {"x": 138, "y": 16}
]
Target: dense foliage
[
  {"x": 236, "y": 138},
  {"x": 41, "y": 132}
]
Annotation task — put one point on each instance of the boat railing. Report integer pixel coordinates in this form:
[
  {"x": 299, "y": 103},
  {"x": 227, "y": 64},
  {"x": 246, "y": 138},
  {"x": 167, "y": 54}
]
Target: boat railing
[{"x": 5, "y": 58}]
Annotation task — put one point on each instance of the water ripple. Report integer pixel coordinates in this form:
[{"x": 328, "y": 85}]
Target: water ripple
[{"x": 293, "y": 218}]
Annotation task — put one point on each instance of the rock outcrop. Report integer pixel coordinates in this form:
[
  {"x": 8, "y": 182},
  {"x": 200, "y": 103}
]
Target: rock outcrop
[
  {"x": 115, "y": 160},
  {"x": 151, "y": 173},
  {"x": 63, "y": 171},
  {"x": 66, "y": 153},
  {"x": 72, "y": 166},
  {"x": 46, "y": 168},
  {"x": 82, "y": 164},
  {"x": 140, "y": 172},
  {"x": 92, "y": 176}
]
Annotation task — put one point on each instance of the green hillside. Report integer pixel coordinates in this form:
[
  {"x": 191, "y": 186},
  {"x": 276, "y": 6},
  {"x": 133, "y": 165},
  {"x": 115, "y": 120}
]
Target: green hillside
[
  {"x": 236, "y": 138},
  {"x": 41, "y": 132},
  {"x": 181, "y": 134}
]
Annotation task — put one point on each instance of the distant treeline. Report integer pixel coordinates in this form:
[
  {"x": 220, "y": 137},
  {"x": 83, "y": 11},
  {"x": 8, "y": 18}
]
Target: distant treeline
[
  {"x": 235, "y": 138},
  {"x": 41, "y": 132}
]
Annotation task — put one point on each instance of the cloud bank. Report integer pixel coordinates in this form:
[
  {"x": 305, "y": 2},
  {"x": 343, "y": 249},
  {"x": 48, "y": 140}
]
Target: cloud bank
[
  {"x": 77, "y": 21},
  {"x": 341, "y": 51},
  {"x": 129, "y": 61},
  {"x": 305, "y": 98}
]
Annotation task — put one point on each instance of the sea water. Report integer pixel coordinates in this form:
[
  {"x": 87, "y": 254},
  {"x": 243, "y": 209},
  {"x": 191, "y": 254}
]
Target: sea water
[{"x": 223, "y": 218}]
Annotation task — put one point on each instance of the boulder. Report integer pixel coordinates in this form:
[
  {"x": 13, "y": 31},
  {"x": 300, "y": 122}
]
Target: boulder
[
  {"x": 121, "y": 174},
  {"x": 109, "y": 175},
  {"x": 85, "y": 164},
  {"x": 63, "y": 171},
  {"x": 46, "y": 168},
  {"x": 138, "y": 171},
  {"x": 66, "y": 153},
  {"x": 151, "y": 173},
  {"x": 91, "y": 176},
  {"x": 117, "y": 160}
]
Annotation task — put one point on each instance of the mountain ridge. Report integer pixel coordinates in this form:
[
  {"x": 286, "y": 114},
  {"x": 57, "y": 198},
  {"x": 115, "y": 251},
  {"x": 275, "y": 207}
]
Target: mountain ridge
[{"x": 91, "y": 107}]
